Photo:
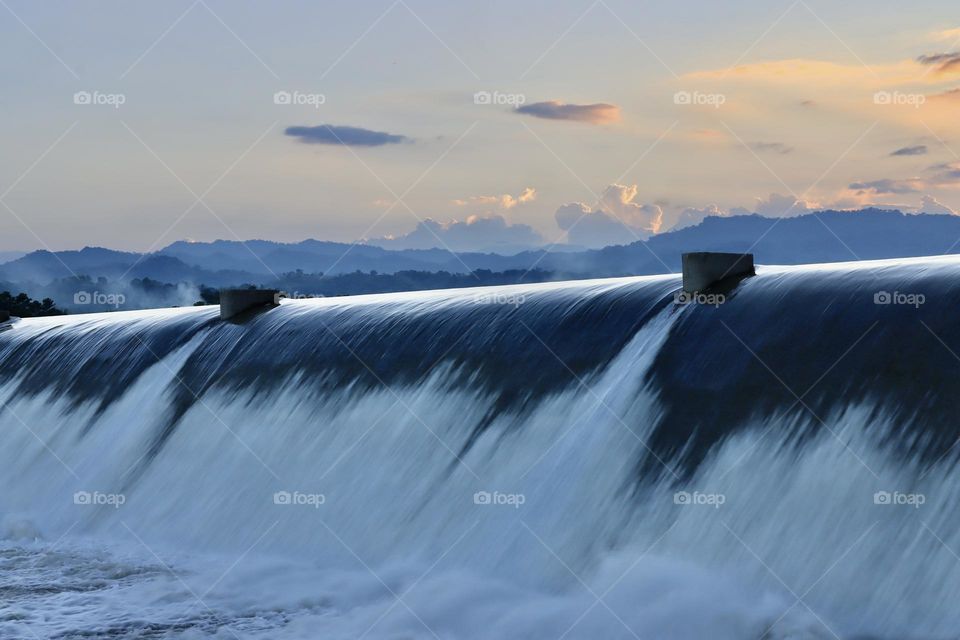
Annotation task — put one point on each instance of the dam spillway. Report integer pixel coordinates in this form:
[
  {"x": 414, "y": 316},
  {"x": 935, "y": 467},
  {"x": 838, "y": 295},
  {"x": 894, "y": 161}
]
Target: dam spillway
[{"x": 484, "y": 450}]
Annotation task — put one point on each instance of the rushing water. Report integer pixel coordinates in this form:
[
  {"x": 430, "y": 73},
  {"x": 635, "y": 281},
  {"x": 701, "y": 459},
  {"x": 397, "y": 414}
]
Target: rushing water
[{"x": 566, "y": 460}]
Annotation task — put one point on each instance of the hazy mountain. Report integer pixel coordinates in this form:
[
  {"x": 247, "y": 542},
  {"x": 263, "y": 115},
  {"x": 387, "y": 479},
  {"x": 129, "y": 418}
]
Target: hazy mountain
[
  {"x": 827, "y": 236},
  {"x": 266, "y": 257},
  {"x": 7, "y": 256},
  {"x": 45, "y": 266}
]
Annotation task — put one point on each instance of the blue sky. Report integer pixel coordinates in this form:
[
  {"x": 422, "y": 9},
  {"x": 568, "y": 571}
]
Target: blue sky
[{"x": 781, "y": 98}]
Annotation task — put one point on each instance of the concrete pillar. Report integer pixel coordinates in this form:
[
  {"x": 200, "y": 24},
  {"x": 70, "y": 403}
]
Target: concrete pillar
[
  {"x": 235, "y": 301},
  {"x": 704, "y": 269}
]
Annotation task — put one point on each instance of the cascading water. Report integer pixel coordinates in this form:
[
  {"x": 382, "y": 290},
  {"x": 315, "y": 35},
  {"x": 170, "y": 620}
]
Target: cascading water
[{"x": 568, "y": 460}]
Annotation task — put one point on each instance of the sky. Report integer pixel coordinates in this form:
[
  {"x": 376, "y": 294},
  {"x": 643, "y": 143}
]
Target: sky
[{"x": 471, "y": 125}]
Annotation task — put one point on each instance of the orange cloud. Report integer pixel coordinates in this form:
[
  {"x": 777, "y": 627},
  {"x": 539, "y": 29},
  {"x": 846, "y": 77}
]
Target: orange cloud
[
  {"x": 505, "y": 201},
  {"x": 947, "y": 34},
  {"x": 952, "y": 94},
  {"x": 804, "y": 71},
  {"x": 942, "y": 63}
]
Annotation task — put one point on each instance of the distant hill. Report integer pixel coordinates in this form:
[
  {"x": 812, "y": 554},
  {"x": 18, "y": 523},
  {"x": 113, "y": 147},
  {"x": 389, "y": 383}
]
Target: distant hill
[
  {"x": 826, "y": 236},
  {"x": 266, "y": 257},
  {"x": 7, "y": 256}
]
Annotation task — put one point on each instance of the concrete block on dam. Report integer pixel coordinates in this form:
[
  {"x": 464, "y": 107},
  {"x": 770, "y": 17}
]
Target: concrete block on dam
[
  {"x": 704, "y": 269},
  {"x": 234, "y": 302}
]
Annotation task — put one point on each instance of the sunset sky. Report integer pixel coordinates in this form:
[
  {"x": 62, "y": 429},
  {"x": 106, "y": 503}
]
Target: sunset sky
[{"x": 132, "y": 125}]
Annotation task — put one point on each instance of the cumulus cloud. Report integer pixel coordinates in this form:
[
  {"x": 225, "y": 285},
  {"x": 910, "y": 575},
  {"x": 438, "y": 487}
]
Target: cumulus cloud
[
  {"x": 777, "y": 205},
  {"x": 505, "y": 201},
  {"x": 929, "y": 204},
  {"x": 772, "y": 147},
  {"x": 773, "y": 206},
  {"x": 529, "y": 194},
  {"x": 691, "y": 216},
  {"x": 942, "y": 62},
  {"x": 595, "y": 228},
  {"x": 917, "y": 150},
  {"x": 350, "y": 136},
  {"x": 616, "y": 220},
  {"x": 477, "y": 233},
  {"x": 599, "y": 113}
]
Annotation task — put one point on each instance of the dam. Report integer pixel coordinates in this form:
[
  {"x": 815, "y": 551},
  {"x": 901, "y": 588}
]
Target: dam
[{"x": 588, "y": 460}]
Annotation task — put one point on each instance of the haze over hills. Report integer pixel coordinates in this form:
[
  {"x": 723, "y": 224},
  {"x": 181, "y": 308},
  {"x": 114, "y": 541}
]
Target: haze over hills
[
  {"x": 224, "y": 262},
  {"x": 827, "y": 236}
]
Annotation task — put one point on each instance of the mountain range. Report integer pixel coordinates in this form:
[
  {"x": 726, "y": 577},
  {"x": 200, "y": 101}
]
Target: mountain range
[{"x": 825, "y": 236}]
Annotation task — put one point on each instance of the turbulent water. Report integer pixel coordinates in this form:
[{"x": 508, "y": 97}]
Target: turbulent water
[{"x": 569, "y": 460}]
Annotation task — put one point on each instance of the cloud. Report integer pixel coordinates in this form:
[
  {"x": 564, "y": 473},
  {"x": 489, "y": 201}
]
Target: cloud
[
  {"x": 942, "y": 62},
  {"x": 773, "y": 147},
  {"x": 617, "y": 219},
  {"x": 599, "y": 113},
  {"x": 505, "y": 201},
  {"x": 939, "y": 176},
  {"x": 706, "y": 136},
  {"x": 349, "y": 136},
  {"x": 773, "y": 206},
  {"x": 476, "y": 233},
  {"x": 929, "y": 204},
  {"x": 529, "y": 194},
  {"x": 889, "y": 185},
  {"x": 691, "y": 216},
  {"x": 619, "y": 200},
  {"x": 809, "y": 73},
  {"x": 595, "y": 228},
  {"x": 946, "y": 34},
  {"x": 918, "y": 150},
  {"x": 777, "y": 205},
  {"x": 946, "y": 174},
  {"x": 951, "y": 94}
]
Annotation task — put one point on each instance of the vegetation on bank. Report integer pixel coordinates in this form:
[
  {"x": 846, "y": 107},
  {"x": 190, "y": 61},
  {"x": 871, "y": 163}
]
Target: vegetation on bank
[
  {"x": 23, "y": 306},
  {"x": 84, "y": 294}
]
